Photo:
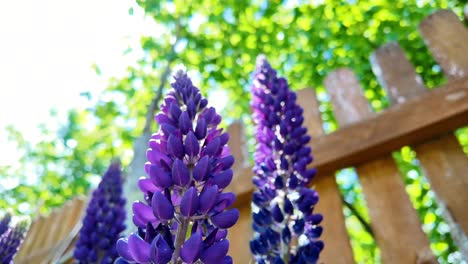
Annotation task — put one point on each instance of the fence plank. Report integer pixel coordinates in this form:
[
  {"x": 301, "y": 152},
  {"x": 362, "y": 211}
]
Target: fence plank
[
  {"x": 443, "y": 160},
  {"x": 239, "y": 248},
  {"x": 436, "y": 30},
  {"x": 27, "y": 246},
  {"x": 330, "y": 206},
  {"x": 392, "y": 214},
  {"x": 409, "y": 123}
]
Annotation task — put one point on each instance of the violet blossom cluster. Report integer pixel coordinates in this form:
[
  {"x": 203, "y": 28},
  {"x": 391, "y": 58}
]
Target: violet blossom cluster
[
  {"x": 285, "y": 227},
  {"x": 184, "y": 216},
  {"x": 104, "y": 220},
  {"x": 5, "y": 223},
  {"x": 11, "y": 238}
]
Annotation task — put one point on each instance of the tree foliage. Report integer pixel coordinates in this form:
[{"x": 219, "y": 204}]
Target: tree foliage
[{"x": 219, "y": 42}]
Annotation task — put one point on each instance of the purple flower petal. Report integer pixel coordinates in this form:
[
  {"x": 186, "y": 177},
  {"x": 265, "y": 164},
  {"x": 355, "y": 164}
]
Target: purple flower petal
[
  {"x": 224, "y": 200},
  {"x": 288, "y": 206},
  {"x": 200, "y": 130},
  {"x": 160, "y": 177},
  {"x": 212, "y": 147},
  {"x": 226, "y": 219},
  {"x": 162, "y": 118},
  {"x": 147, "y": 185},
  {"x": 201, "y": 168},
  {"x": 161, "y": 253},
  {"x": 227, "y": 162},
  {"x": 185, "y": 124},
  {"x": 162, "y": 208},
  {"x": 180, "y": 173},
  {"x": 175, "y": 111},
  {"x": 192, "y": 147},
  {"x": 139, "y": 249},
  {"x": 189, "y": 203},
  {"x": 191, "y": 248},
  {"x": 223, "y": 178},
  {"x": 123, "y": 249},
  {"x": 175, "y": 146},
  {"x": 277, "y": 214},
  {"x": 208, "y": 198},
  {"x": 215, "y": 253},
  {"x": 142, "y": 214},
  {"x": 227, "y": 260}
]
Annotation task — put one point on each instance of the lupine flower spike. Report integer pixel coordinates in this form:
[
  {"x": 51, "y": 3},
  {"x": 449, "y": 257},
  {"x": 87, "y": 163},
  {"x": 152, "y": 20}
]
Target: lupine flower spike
[
  {"x": 184, "y": 215},
  {"x": 104, "y": 220},
  {"x": 4, "y": 223},
  {"x": 11, "y": 240},
  {"x": 285, "y": 228}
]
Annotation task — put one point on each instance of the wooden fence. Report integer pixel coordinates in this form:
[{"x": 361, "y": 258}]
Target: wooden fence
[{"x": 420, "y": 118}]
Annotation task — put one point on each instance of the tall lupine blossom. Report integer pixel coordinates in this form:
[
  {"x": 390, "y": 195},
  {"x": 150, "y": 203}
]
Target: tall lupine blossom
[
  {"x": 184, "y": 215},
  {"x": 5, "y": 223},
  {"x": 104, "y": 220},
  {"x": 11, "y": 240},
  {"x": 285, "y": 228}
]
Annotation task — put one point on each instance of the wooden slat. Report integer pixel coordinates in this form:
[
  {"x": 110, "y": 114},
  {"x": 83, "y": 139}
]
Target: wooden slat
[
  {"x": 446, "y": 37},
  {"x": 410, "y": 123},
  {"x": 240, "y": 234},
  {"x": 395, "y": 222},
  {"x": 47, "y": 234},
  {"x": 26, "y": 247},
  {"x": 330, "y": 205},
  {"x": 442, "y": 159}
]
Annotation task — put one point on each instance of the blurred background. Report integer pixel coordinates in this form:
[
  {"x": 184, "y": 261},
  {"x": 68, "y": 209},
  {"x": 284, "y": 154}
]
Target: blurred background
[{"x": 77, "y": 77}]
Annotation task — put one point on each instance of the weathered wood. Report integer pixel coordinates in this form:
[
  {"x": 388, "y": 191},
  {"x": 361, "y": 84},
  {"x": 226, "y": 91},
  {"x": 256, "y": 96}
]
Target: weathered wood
[
  {"x": 48, "y": 234},
  {"x": 393, "y": 217},
  {"x": 446, "y": 37},
  {"x": 242, "y": 180},
  {"x": 240, "y": 234},
  {"x": 330, "y": 205},
  {"x": 410, "y": 123},
  {"x": 442, "y": 159},
  {"x": 396, "y": 74},
  {"x": 33, "y": 232}
]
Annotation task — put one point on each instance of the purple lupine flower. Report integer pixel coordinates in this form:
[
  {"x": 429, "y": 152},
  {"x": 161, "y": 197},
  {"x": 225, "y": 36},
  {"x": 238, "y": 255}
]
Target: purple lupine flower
[
  {"x": 104, "y": 220},
  {"x": 11, "y": 240},
  {"x": 184, "y": 215},
  {"x": 285, "y": 228},
  {"x": 5, "y": 223}
]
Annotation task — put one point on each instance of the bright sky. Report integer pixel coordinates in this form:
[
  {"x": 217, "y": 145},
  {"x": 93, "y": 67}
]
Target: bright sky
[{"x": 47, "y": 49}]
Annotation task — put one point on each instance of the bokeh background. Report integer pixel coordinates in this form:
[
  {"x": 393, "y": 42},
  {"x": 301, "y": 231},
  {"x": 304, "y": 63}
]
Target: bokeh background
[{"x": 76, "y": 79}]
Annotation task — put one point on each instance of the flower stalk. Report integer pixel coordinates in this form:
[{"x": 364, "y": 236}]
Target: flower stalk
[
  {"x": 188, "y": 168},
  {"x": 104, "y": 220},
  {"x": 285, "y": 228},
  {"x": 12, "y": 238}
]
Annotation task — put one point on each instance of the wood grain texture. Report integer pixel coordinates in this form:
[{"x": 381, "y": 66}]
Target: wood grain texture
[
  {"x": 334, "y": 234},
  {"x": 48, "y": 234},
  {"x": 443, "y": 161},
  {"x": 394, "y": 221},
  {"x": 409, "y": 123},
  {"x": 241, "y": 233},
  {"x": 446, "y": 38}
]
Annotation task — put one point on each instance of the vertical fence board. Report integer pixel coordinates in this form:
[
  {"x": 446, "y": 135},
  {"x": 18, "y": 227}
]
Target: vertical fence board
[
  {"x": 330, "y": 205},
  {"x": 240, "y": 234},
  {"x": 443, "y": 160},
  {"x": 27, "y": 245},
  {"x": 447, "y": 38},
  {"x": 395, "y": 222}
]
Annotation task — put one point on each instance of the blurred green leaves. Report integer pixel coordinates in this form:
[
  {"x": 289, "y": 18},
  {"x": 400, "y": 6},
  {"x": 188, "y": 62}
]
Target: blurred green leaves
[{"x": 219, "y": 42}]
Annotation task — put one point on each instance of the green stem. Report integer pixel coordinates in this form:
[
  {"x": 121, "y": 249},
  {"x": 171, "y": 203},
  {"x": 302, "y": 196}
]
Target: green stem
[{"x": 180, "y": 238}]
